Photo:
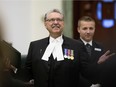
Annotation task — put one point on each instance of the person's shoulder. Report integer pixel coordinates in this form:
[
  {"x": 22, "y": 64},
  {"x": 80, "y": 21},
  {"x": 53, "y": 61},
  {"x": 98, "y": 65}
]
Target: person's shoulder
[
  {"x": 98, "y": 44},
  {"x": 40, "y": 40},
  {"x": 80, "y": 41},
  {"x": 72, "y": 40},
  {"x": 69, "y": 39}
]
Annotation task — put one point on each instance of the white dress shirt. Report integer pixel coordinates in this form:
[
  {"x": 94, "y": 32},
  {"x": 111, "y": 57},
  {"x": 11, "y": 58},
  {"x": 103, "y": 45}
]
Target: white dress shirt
[{"x": 85, "y": 42}]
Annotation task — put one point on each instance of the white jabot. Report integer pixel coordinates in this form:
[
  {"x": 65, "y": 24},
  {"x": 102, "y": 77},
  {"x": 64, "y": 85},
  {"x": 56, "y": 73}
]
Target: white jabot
[{"x": 55, "y": 48}]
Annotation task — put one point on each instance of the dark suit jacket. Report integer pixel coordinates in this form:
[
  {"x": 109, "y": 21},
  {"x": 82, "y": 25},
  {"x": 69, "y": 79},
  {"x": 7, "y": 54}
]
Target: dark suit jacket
[
  {"x": 66, "y": 72},
  {"x": 97, "y": 51}
]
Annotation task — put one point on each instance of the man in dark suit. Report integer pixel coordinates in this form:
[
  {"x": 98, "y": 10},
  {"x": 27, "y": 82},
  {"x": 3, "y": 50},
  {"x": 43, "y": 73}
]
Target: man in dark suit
[
  {"x": 86, "y": 29},
  {"x": 56, "y": 61}
]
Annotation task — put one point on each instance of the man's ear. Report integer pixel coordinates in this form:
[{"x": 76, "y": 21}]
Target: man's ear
[{"x": 78, "y": 30}]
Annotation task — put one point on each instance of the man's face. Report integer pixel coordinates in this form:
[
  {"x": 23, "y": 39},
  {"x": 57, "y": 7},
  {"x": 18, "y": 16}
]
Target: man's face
[
  {"x": 86, "y": 30},
  {"x": 54, "y": 23}
]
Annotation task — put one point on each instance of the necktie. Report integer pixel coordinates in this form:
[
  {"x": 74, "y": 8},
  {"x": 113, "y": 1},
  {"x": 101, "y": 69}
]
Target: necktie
[{"x": 88, "y": 48}]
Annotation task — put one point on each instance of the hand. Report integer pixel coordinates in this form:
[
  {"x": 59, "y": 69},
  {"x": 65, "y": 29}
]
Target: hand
[
  {"x": 95, "y": 85},
  {"x": 7, "y": 64},
  {"x": 30, "y": 83},
  {"x": 105, "y": 56},
  {"x": 13, "y": 68}
]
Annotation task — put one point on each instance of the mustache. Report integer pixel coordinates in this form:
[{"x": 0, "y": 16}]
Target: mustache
[{"x": 55, "y": 25}]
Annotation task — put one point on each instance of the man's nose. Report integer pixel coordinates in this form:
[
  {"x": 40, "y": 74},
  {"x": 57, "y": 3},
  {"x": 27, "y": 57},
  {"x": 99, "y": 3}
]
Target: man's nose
[
  {"x": 88, "y": 30},
  {"x": 55, "y": 21}
]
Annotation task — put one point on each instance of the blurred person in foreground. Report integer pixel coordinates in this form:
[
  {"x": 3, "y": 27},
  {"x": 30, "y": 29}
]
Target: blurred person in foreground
[{"x": 10, "y": 60}]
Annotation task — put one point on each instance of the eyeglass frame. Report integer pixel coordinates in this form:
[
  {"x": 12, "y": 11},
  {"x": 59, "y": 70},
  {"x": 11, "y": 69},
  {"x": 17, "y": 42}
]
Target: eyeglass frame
[{"x": 53, "y": 19}]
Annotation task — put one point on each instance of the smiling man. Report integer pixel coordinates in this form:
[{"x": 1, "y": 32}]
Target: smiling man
[{"x": 54, "y": 23}]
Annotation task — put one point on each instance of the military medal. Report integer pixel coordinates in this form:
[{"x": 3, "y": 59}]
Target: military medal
[
  {"x": 72, "y": 55},
  {"x": 65, "y": 53}
]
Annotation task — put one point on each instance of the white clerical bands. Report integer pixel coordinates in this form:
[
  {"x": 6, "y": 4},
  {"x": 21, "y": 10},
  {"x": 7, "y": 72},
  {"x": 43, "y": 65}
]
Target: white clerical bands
[
  {"x": 55, "y": 48},
  {"x": 68, "y": 54}
]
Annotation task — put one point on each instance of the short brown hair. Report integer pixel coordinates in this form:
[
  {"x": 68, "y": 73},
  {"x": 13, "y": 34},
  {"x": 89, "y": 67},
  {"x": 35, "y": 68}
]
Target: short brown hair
[{"x": 85, "y": 18}]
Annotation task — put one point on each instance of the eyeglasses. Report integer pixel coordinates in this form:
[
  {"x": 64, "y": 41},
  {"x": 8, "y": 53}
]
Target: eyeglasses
[{"x": 57, "y": 19}]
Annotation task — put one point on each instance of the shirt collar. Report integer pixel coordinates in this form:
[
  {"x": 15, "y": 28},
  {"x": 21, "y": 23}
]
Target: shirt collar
[
  {"x": 85, "y": 42},
  {"x": 59, "y": 39}
]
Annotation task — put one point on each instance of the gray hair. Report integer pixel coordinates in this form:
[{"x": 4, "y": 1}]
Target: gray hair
[{"x": 54, "y": 10}]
